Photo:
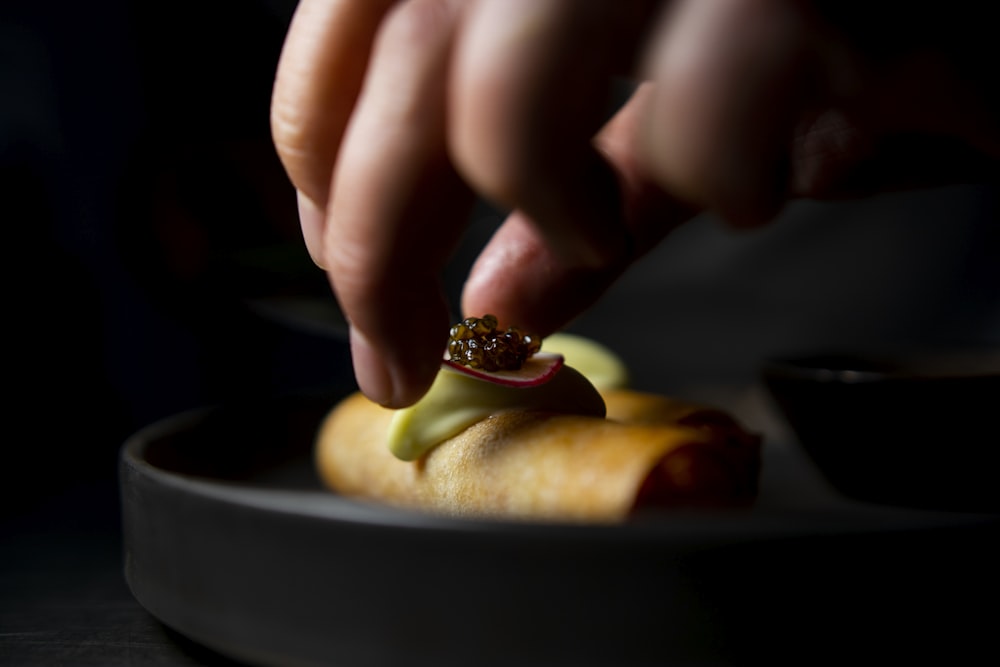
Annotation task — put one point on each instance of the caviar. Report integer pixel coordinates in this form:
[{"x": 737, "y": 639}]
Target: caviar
[{"x": 476, "y": 343}]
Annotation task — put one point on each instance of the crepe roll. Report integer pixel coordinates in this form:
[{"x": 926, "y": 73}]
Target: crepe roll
[{"x": 646, "y": 452}]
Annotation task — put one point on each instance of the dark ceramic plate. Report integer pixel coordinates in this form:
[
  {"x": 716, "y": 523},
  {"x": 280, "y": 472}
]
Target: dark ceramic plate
[{"x": 231, "y": 541}]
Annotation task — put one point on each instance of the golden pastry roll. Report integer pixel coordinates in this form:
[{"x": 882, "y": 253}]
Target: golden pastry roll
[{"x": 650, "y": 451}]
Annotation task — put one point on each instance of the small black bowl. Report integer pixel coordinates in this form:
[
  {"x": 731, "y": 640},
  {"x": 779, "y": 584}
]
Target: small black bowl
[{"x": 917, "y": 429}]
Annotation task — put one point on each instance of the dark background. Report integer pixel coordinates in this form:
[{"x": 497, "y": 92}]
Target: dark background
[
  {"x": 144, "y": 211},
  {"x": 143, "y": 205},
  {"x": 144, "y": 208}
]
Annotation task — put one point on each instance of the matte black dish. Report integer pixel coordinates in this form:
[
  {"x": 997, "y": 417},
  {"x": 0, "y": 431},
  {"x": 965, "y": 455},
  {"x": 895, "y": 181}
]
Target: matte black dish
[
  {"x": 230, "y": 540},
  {"x": 915, "y": 429}
]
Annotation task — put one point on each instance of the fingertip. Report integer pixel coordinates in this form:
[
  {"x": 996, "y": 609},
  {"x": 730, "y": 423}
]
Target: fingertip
[
  {"x": 388, "y": 383},
  {"x": 525, "y": 282},
  {"x": 745, "y": 186},
  {"x": 370, "y": 371},
  {"x": 731, "y": 81},
  {"x": 398, "y": 339}
]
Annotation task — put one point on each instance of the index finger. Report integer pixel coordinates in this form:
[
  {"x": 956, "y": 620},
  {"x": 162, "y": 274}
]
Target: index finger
[
  {"x": 397, "y": 207},
  {"x": 318, "y": 79}
]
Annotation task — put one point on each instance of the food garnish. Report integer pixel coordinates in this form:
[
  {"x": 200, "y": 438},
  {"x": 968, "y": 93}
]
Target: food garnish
[
  {"x": 537, "y": 370},
  {"x": 489, "y": 371},
  {"x": 455, "y": 401},
  {"x": 604, "y": 368},
  {"x": 476, "y": 343},
  {"x": 510, "y": 358}
]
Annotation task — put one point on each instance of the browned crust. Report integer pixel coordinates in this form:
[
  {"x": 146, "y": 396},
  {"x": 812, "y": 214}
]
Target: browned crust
[{"x": 650, "y": 450}]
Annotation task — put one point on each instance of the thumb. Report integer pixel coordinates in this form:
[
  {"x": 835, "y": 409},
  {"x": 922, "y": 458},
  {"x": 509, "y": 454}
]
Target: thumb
[{"x": 523, "y": 279}]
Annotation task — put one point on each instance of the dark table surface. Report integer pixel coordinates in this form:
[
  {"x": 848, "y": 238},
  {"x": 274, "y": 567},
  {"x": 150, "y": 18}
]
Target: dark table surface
[{"x": 63, "y": 596}]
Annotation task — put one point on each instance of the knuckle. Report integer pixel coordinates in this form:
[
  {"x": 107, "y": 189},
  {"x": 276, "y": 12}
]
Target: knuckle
[
  {"x": 288, "y": 129},
  {"x": 292, "y": 134}
]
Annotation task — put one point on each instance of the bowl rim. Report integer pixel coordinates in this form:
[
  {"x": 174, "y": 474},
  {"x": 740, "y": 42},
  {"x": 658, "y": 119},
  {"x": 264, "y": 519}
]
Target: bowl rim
[{"x": 866, "y": 364}]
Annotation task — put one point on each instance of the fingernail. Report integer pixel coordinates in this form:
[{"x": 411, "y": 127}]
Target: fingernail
[{"x": 374, "y": 378}]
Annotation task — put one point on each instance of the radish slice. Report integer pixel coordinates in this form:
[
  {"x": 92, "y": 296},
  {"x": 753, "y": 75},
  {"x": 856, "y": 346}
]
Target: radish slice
[{"x": 538, "y": 369}]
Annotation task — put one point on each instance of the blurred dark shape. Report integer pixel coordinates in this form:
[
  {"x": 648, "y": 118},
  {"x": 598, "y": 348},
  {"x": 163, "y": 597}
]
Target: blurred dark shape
[
  {"x": 146, "y": 207},
  {"x": 913, "y": 428}
]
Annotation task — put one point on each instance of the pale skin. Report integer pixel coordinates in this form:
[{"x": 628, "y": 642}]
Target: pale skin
[{"x": 390, "y": 117}]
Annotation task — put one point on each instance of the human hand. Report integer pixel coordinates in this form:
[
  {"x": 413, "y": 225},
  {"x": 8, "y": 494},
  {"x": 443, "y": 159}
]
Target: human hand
[{"x": 391, "y": 116}]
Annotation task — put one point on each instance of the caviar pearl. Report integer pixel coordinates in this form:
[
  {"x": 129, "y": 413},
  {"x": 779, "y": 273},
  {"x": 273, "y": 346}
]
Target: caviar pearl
[{"x": 476, "y": 343}]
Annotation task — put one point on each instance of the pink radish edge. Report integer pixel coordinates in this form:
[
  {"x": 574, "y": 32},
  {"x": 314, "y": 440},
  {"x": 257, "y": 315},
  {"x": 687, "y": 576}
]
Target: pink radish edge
[{"x": 537, "y": 370}]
